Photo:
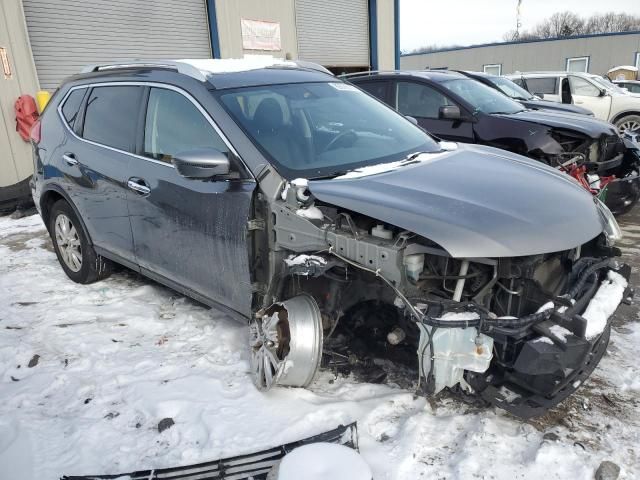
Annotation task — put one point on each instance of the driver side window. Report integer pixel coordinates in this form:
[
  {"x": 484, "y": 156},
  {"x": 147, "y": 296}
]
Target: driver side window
[
  {"x": 580, "y": 86},
  {"x": 418, "y": 100},
  {"x": 174, "y": 124}
]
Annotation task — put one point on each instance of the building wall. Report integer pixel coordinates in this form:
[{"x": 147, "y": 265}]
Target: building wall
[
  {"x": 15, "y": 154},
  {"x": 605, "y": 52},
  {"x": 386, "y": 35},
  {"x": 229, "y": 13}
]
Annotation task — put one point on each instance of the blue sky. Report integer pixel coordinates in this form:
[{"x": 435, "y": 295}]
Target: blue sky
[{"x": 466, "y": 22}]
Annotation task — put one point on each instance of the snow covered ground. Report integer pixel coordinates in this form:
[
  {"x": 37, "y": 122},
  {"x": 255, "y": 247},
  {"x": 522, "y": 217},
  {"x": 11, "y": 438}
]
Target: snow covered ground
[{"x": 88, "y": 372}]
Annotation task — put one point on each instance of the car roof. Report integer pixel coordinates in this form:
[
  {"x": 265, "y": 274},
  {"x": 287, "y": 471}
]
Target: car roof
[
  {"x": 434, "y": 75},
  {"x": 220, "y": 73}
]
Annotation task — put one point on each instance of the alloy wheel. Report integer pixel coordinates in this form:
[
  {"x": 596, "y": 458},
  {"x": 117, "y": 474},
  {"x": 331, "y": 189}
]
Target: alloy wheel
[
  {"x": 630, "y": 125},
  {"x": 68, "y": 243}
]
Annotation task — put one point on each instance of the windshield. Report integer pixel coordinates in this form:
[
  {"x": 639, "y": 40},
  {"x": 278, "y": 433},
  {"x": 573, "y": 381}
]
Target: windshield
[
  {"x": 481, "y": 97},
  {"x": 316, "y": 130},
  {"x": 607, "y": 85},
  {"x": 509, "y": 88}
]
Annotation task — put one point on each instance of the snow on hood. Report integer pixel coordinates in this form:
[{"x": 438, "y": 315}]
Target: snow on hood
[{"x": 474, "y": 202}]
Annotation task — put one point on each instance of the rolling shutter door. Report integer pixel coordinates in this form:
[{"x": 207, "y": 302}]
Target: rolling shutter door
[
  {"x": 66, "y": 35},
  {"x": 333, "y": 33}
]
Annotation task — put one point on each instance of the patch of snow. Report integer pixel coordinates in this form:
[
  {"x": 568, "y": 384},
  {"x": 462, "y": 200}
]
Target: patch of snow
[
  {"x": 390, "y": 166},
  {"x": 304, "y": 259},
  {"x": 543, "y": 340},
  {"x": 230, "y": 65},
  {"x": 323, "y": 461},
  {"x": 311, "y": 212},
  {"x": 560, "y": 332},
  {"x": 546, "y": 306},
  {"x": 460, "y": 316},
  {"x": 623, "y": 67},
  {"x": 604, "y": 303},
  {"x": 448, "y": 146}
]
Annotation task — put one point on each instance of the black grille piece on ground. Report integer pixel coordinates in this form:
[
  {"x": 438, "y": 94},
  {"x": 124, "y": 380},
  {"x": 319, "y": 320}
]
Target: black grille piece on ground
[{"x": 254, "y": 466}]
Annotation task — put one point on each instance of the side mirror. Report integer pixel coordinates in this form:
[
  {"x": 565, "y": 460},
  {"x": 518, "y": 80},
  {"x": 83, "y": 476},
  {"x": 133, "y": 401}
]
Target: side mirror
[
  {"x": 540, "y": 95},
  {"x": 450, "y": 112},
  {"x": 201, "y": 163},
  {"x": 603, "y": 92},
  {"x": 411, "y": 119}
]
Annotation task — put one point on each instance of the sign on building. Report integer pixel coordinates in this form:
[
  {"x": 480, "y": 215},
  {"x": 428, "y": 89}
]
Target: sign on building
[{"x": 258, "y": 35}]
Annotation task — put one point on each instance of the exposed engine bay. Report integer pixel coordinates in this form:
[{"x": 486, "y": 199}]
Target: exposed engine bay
[
  {"x": 608, "y": 166},
  {"x": 346, "y": 292}
]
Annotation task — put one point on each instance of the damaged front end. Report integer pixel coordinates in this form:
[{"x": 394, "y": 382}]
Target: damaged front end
[
  {"x": 608, "y": 166},
  {"x": 355, "y": 293}
]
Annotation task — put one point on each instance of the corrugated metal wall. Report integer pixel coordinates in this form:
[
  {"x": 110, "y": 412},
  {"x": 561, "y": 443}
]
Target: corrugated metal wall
[
  {"x": 69, "y": 34},
  {"x": 333, "y": 32}
]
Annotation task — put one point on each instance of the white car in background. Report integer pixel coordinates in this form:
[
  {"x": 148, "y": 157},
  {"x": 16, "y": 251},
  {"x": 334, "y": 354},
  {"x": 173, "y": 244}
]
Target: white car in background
[{"x": 606, "y": 100}]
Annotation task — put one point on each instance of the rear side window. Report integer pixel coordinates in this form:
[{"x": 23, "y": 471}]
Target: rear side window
[
  {"x": 71, "y": 106},
  {"x": 377, "y": 89},
  {"x": 547, "y": 85},
  {"x": 111, "y": 116},
  {"x": 174, "y": 124}
]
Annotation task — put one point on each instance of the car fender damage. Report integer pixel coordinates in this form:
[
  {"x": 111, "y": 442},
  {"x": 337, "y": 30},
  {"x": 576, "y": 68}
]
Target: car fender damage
[{"x": 521, "y": 332}]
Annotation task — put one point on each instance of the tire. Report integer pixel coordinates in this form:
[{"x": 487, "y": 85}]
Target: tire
[
  {"x": 628, "y": 121},
  {"x": 75, "y": 253}
]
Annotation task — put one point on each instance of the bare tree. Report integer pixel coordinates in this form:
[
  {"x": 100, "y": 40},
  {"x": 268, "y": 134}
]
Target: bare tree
[
  {"x": 567, "y": 24},
  {"x": 564, "y": 24}
]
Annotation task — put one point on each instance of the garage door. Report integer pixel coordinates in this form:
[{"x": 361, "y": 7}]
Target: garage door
[
  {"x": 333, "y": 33},
  {"x": 69, "y": 34}
]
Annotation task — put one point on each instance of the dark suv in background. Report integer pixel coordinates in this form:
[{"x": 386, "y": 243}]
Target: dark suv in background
[
  {"x": 331, "y": 225},
  {"x": 455, "y": 107}
]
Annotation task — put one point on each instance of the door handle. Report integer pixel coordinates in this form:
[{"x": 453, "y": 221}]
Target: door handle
[
  {"x": 70, "y": 159},
  {"x": 139, "y": 186}
]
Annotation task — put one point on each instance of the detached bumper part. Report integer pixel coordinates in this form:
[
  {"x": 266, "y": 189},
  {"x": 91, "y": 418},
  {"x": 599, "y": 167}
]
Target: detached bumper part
[
  {"x": 548, "y": 368},
  {"x": 255, "y": 466}
]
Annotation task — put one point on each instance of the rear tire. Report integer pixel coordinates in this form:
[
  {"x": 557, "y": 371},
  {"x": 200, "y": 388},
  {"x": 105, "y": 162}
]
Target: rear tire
[{"x": 75, "y": 253}]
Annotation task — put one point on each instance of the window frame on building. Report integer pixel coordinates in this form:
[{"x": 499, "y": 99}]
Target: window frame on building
[
  {"x": 492, "y": 65},
  {"x": 586, "y": 58}
]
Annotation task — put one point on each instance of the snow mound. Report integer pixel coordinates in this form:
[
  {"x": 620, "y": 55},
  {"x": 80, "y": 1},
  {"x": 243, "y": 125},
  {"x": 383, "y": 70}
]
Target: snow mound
[
  {"x": 323, "y": 461},
  {"x": 604, "y": 303},
  {"x": 231, "y": 65}
]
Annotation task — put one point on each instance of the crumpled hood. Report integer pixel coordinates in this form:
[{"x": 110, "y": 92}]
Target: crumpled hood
[
  {"x": 590, "y": 126},
  {"x": 475, "y": 201}
]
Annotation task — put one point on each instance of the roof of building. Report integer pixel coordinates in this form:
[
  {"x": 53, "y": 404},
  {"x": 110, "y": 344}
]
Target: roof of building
[{"x": 497, "y": 44}]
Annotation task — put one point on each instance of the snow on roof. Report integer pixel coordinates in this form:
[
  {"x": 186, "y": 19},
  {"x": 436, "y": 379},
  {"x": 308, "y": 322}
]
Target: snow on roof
[
  {"x": 624, "y": 67},
  {"x": 228, "y": 65}
]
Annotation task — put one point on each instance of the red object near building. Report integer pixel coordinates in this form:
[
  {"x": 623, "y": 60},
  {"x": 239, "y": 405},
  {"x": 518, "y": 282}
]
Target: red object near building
[{"x": 26, "y": 115}]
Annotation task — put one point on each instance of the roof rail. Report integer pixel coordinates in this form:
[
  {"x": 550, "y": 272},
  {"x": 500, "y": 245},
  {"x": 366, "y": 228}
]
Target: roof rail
[
  {"x": 369, "y": 72},
  {"x": 180, "y": 67},
  {"x": 198, "y": 69}
]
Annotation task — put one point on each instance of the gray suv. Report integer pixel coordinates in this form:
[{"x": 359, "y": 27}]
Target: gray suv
[{"x": 339, "y": 231}]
